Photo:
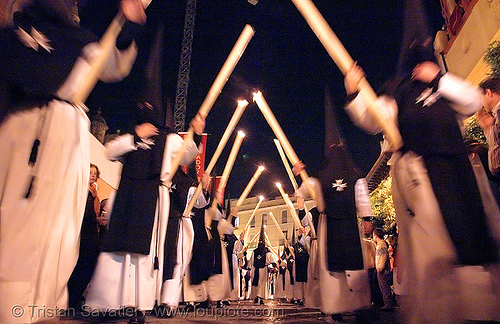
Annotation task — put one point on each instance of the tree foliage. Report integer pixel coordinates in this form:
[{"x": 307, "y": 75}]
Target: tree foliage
[
  {"x": 382, "y": 204},
  {"x": 492, "y": 58}
]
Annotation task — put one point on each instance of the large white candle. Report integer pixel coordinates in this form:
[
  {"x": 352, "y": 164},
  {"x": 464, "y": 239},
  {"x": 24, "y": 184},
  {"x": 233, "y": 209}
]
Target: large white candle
[
  {"x": 280, "y": 230},
  {"x": 277, "y": 225},
  {"x": 268, "y": 114},
  {"x": 290, "y": 206},
  {"x": 251, "y": 241},
  {"x": 278, "y": 131},
  {"x": 271, "y": 246},
  {"x": 225, "y": 174},
  {"x": 213, "y": 93},
  {"x": 261, "y": 198},
  {"x": 242, "y": 104},
  {"x": 286, "y": 164},
  {"x": 246, "y": 191},
  {"x": 249, "y": 186},
  {"x": 229, "y": 164},
  {"x": 344, "y": 61}
]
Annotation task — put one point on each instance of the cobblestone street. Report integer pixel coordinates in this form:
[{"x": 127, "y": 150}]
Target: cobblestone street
[{"x": 244, "y": 312}]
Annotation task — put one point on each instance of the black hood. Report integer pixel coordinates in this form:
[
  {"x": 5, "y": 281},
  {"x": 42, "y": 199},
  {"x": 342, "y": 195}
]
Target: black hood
[{"x": 417, "y": 45}]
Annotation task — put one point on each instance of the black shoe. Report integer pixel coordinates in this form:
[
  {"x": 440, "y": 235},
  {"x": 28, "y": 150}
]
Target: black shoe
[
  {"x": 138, "y": 318},
  {"x": 189, "y": 308},
  {"x": 300, "y": 302},
  {"x": 261, "y": 301},
  {"x": 337, "y": 317},
  {"x": 226, "y": 302},
  {"x": 256, "y": 300},
  {"x": 219, "y": 304},
  {"x": 204, "y": 304}
]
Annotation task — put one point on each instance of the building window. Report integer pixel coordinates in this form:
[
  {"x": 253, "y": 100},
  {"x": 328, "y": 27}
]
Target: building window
[
  {"x": 252, "y": 223},
  {"x": 285, "y": 232},
  {"x": 264, "y": 218},
  {"x": 284, "y": 216}
]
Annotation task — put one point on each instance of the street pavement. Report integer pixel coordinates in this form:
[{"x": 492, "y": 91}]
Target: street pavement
[{"x": 243, "y": 312}]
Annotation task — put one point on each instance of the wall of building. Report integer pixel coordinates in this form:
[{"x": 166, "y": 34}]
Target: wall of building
[
  {"x": 464, "y": 57},
  {"x": 276, "y": 206}
]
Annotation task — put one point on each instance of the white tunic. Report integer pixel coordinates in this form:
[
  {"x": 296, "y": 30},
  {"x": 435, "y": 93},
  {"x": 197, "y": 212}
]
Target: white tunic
[
  {"x": 236, "y": 255},
  {"x": 129, "y": 279},
  {"x": 172, "y": 289},
  {"x": 342, "y": 291},
  {"x": 39, "y": 236}
]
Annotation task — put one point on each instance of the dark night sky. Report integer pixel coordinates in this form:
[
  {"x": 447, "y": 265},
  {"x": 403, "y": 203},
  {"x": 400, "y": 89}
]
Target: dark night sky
[{"x": 285, "y": 61}]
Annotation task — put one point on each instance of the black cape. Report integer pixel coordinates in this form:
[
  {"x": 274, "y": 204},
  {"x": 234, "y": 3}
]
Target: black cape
[{"x": 134, "y": 209}]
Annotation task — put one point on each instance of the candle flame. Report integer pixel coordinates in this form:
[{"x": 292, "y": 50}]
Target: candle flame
[
  {"x": 261, "y": 198},
  {"x": 240, "y": 133},
  {"x": 256, "y": 94},
  {"x": 278, "y": 184},
  {"x": 261, "y": 168},
  {"x": 242, "y": 102}
]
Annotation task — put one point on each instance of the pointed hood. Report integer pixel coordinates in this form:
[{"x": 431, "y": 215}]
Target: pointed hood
[
  {"x": 332, "y": 135},
  {"x": 262, "y": 236},
  {"x": 417, "y": 44}
]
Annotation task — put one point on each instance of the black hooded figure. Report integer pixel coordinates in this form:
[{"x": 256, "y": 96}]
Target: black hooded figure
[
  {"x": 130, "y": 228},
  {"x": 429, "y": 128},
  {"x": 441, "y": 213},
  {"x": 136, "y": 239},
  {"x": 260, "y": 262},
  {"x": 343, "y": 282}
]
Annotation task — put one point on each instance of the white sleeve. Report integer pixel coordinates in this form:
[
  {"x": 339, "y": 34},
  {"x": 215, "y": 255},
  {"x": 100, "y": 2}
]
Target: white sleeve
[
  {"x": 358, "y": 111},
  {"x": 465, "y": 97},
  {"x": 119, "y": 146},
  {"x": 270, "y": 258},
  {"x": 172, "y": 147},
  {"x": 201, "y": 201},
  {"x": 119, "y": 63},
  {"x": 362, "y": 198},
  {"x": 315, "y": 185},
  {"x": 306, "y": 242}
]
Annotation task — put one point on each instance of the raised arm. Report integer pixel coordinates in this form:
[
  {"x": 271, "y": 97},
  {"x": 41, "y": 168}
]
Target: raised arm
[{"x": 358, "y": 109}]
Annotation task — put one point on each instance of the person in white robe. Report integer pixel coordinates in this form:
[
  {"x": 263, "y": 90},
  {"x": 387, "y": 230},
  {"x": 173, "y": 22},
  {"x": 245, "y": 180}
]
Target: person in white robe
[
  {"x": 171, "y": 293},
  {"x": 237, "y": 256},
  {"x": 218, "y": 284},
  {"x": 448, "y": 276},
  {"x": 301, "y": 248},
  {"x": 259, "y": 261},
  {"x": 285, "y": 280},
  {"x": 45, "y": 157},
  {"x": 129, "y": 272}
]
